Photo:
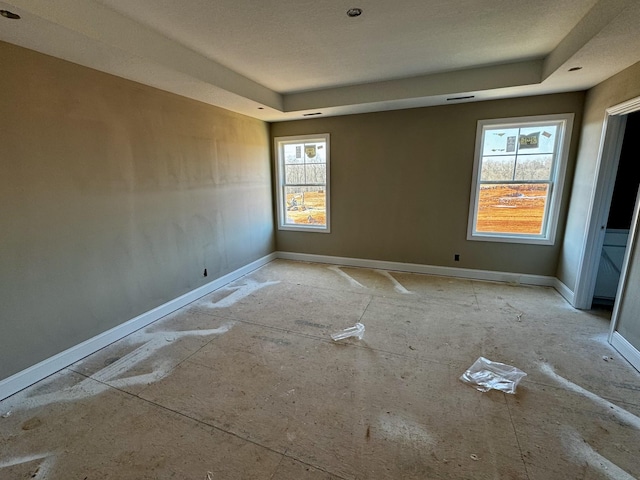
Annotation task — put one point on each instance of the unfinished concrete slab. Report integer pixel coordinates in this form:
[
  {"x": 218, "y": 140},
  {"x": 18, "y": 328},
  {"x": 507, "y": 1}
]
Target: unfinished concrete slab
[{"x": 247, "y": 383}]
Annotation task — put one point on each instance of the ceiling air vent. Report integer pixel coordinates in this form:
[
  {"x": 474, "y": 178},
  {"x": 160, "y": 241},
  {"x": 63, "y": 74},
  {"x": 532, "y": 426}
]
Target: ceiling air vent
[{"x": 460, "y": 98}]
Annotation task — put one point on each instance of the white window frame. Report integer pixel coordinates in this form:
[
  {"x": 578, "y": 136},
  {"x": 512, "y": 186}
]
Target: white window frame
[
  {"x": 279, "y": 143},
  {"x": 556, "y": 181}
]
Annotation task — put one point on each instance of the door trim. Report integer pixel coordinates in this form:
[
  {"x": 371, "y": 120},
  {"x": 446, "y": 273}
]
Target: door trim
[{"x": 607, "y": 165}]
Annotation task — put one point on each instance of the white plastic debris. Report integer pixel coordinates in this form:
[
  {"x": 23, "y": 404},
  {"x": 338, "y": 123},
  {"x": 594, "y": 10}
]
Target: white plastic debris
[
  {"x": 356, "y": 331},
  {"x": 486, "y": 375},
  {"x": 7, "y": 415}
]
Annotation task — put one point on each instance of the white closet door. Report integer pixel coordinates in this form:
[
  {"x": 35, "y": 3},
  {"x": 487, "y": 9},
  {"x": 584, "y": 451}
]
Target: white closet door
[{"x": 625, "y": 325}]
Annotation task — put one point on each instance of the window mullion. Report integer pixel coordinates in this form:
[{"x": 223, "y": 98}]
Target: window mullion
[{"x": 515, "y": 161}]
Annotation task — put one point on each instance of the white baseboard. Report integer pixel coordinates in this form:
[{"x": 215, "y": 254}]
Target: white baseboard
[
  {"x": 563, "y": 290},
  {"x": 627, "y": 350},
  {"x": 51, "y": 365},
  {"x": 469, "y": 273}
]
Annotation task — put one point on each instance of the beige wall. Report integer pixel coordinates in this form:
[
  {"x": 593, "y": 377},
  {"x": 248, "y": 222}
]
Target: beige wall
[
  {"x": 619, "y": 88},
  {"x": 401, "y": 182},
  {"x": 114, "y": 197}
]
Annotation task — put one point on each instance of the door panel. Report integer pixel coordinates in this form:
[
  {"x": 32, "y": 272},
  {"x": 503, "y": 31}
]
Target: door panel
[{"x": 625, "y": 325}]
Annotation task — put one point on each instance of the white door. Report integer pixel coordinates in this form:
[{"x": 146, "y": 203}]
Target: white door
[{"x": 625, "y": 321}]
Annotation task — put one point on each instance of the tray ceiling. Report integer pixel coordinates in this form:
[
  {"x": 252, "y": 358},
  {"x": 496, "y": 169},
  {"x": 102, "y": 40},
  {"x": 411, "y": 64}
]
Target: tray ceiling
[{"x": 280, "y": 60}]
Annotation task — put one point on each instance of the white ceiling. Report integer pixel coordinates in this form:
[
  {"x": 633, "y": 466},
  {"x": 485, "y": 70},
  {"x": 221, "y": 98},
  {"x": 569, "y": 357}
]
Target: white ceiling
[{"x": 280, "y": 59}]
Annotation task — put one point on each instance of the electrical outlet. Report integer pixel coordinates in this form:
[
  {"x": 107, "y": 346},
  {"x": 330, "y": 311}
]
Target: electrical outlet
[{"x": 456, "y": 257}]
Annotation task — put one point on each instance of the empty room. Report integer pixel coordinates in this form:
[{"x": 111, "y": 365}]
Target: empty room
[{"x": 319, "y": 240}]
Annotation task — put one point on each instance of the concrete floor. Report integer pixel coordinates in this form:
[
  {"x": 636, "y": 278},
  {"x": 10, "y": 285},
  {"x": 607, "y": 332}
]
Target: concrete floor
[{"x": 247, "y": 384}]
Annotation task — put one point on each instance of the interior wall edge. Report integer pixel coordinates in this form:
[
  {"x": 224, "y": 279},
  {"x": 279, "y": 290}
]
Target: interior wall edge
[{"x": 51, "y": 365}]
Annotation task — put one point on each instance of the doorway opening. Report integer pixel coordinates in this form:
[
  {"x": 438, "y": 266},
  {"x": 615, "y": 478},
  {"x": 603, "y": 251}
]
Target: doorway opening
[
  {"x": 608, "y": 159},
  {"x": 623, "y": 198}
]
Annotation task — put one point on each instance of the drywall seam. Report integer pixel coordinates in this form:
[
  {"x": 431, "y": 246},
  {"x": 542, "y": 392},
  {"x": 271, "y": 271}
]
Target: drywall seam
[
  {"x": 51, "y": 365},
  {"x": 507, "y": 277}
]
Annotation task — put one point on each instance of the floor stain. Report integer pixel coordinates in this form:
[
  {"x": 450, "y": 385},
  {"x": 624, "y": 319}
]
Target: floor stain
[{"x": 32, "y": 423}]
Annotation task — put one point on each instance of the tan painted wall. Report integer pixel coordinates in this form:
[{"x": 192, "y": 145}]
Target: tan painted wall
[
  {"x": 619, "y": 88},
  {"x": 114, "y": 197},
  {"x": 401, "y": 182}
]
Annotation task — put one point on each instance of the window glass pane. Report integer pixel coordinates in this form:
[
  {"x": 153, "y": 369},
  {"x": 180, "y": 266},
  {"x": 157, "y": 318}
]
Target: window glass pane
[
  {"x": 512, "y": 208},
  {"x": 500, "y": 141},
  {"x": 293, "y": 153},
  {"x": 294, "y": 174},
  {"x": 534, "y": 167},
  {"x": 306, "y": 206},
  {"x": 539, "y": 139},
  {"x": 497, "y": 168},
  {"x": 316, "y": 173},
  {"x": 315, "y": 152}
]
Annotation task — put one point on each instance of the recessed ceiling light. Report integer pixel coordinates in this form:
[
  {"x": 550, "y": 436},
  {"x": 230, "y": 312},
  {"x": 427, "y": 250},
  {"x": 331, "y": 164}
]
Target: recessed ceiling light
[
  {"x": 575, "y": 69},
  {"x": 354, "y": 12},
  {"x": 460, "y": 98},
  {"x": 9, "y": 15}
]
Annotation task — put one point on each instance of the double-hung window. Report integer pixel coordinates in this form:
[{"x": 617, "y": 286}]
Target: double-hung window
[
  {"x": 302, "y": 171},
  {"x": 517, "y": 178}
]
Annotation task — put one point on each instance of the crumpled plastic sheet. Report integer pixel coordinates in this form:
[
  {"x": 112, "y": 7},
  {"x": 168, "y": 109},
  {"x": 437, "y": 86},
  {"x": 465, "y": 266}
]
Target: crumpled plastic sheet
[
  {"x": 486, "y": 375},
  {"x": 356, "y": 331}
]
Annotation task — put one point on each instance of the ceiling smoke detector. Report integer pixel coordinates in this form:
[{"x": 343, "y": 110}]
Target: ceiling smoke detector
[
  {"x": 354, "y": 12},
  {"x": 9, "y": 15}
]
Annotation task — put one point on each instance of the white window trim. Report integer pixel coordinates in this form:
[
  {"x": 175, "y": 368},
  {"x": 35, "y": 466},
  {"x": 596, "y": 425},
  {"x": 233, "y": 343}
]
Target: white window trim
[
  {"x": 278, "y": 144},
  {"x": 558, "y": 176}
]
